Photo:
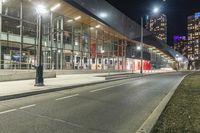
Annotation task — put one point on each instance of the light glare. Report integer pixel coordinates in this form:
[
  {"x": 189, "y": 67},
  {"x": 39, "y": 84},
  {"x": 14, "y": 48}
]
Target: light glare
[
  {"x": 41, "y": 9},
  {"x": 156, "y": 10},
  {"x": 103, "y": 15},
  {"x": 138, "y": 48}
]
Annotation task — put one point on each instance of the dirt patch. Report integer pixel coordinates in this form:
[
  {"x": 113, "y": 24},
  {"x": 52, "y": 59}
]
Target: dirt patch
[{"x": 182, "y": 113}]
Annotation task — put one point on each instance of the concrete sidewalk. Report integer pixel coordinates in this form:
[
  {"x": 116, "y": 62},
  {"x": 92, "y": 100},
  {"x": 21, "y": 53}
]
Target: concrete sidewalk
[
  {"x": 17, "y": 89},
  {"x": 27, "y": 86}
]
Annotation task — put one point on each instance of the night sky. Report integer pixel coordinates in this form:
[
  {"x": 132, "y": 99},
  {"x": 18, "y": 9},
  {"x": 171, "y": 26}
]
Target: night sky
[{"x": 176, "y": 11}]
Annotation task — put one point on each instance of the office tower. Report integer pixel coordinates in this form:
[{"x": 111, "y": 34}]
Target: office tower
[{"x": 157, "y": 24}]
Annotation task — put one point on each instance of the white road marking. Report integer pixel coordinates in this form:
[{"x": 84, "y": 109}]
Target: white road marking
[
  {"x": 61, "y": 98},
  {"x": 7, "y": 111},
  {"x": 28, "y": 106},
  {"x": 108, "y": 87}
]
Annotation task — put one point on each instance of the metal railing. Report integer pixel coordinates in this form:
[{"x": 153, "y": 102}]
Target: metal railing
[
  {"x": 9, "y": 64},
  {"x": 15, "y": 65}
]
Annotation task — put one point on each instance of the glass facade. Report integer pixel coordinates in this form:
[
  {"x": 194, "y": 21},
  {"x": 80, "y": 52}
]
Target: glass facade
[{"x": 67, "y": 42}]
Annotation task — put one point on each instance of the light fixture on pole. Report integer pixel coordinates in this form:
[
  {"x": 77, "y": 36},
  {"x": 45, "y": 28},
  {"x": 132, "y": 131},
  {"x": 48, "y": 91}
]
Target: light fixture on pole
[{"x": 156, "y": 10}]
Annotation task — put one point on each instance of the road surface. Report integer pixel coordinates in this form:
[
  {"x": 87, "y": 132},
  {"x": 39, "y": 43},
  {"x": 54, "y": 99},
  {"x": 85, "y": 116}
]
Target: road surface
[{"x": 114, "y": 107}]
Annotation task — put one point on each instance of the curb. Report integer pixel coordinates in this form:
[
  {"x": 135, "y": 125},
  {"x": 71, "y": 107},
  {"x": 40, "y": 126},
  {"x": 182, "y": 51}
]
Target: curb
[
  {"x": 149, "y": 123},
  {"x": 26, "y": 94}
]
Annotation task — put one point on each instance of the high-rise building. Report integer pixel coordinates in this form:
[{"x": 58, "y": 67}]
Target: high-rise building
[
  {"x": 194, "y": 36},
  {"x": 157, "y": 24},
  {"x": 180, "y": 45}
]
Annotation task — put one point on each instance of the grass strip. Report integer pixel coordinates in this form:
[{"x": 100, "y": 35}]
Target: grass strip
[{"x": 182, "y": 113}]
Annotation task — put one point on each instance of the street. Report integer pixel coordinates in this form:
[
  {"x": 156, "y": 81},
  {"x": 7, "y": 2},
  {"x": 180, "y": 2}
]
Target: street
[{"x": 114, "y": 107}]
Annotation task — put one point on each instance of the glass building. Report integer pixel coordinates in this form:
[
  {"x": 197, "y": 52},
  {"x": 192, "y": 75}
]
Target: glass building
[
  {"x": 76, "y": 34},
  {"x": 194, "y": 39}
]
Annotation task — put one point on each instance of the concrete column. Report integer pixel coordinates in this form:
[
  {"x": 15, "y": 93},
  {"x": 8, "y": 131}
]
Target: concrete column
[
  {"x": 51, "y": 40},
  {"x": 102, "y": 54},
  {"x": 61, "y": 42},
  {"x": 73, "y": 55},
  {"x": 113, "y": 55},
  {"x": 81, "y": 46},
  {"x": 96, "y": 48},
  {"x": 0, "y": 58},
  {"x": 45, "y": 56},
  {"x": 109, "y": 50},
  {"x": 48, "y": 42},
  {"x": 118, "y": 46},
  {"x": 122, "y": 55},
  {"x": 21, "y": 33},
  {"x": 0, "y": 33},
  {"x": 89, "y": 49},
  {"x": 125, "y": 46},
  {"x": 58, "y": 39}
]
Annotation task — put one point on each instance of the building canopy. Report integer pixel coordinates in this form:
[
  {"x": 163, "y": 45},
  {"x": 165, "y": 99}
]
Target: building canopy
[{"x": 109, "y": 15}]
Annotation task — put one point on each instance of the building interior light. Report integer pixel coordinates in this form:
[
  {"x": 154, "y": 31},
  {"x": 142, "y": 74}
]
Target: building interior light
[
  {"x": 138, "y": 48},
  {"x": 98, "y": 26},
  {"x": 71, "y": 20},
  {"x": 55, "y": 7},
  {"x": 76, "y": 43},
  {"x": 77, "y": 18},
  {"x": 45, "y": 43},
  {"x": 91, "y": 28},
  {"x": 102, "y": 51}
]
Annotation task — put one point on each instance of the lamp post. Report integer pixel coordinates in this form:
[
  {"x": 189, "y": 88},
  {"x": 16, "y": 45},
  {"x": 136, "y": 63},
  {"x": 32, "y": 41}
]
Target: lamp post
[
  {"x": 177, "y": 60},
  {"x": 155, "y": 11},
  {"x": 40, "y": 10},
  {"x": 39, "y": 80},
  {"x": 141, "y": 48}
]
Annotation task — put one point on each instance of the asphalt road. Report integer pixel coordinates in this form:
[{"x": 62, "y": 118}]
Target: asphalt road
[{"x": 116, "y": 107}]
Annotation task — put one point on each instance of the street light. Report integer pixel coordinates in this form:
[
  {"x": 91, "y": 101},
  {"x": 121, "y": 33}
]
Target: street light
[
  {"x": 155, "y": 11},
  {"x": 39, "y": 80},
  {"x": 40, "y": 10},
  {"x": 141, "y": 47}
]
